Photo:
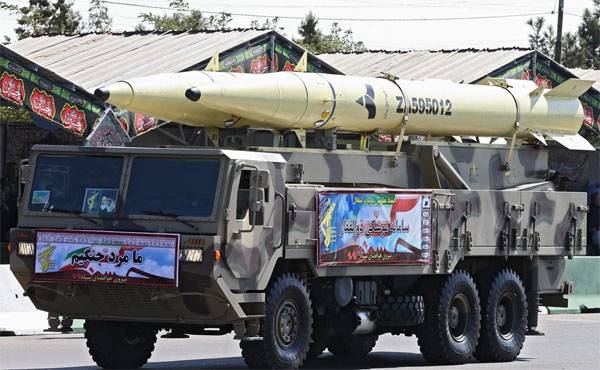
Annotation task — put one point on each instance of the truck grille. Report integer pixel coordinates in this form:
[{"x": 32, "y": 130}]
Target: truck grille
[{"x": 115, "y": 300}]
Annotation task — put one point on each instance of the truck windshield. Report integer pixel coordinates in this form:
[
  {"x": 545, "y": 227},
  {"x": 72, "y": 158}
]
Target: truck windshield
[
  {"x": 76, "y": 184},
  {"x": 172, "y": 187}
]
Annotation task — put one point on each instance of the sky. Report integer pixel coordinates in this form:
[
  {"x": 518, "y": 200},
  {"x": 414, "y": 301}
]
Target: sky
[{"x": 389, "y": 25}]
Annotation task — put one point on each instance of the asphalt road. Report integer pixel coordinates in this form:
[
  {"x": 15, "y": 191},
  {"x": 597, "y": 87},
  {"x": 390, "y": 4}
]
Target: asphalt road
[{"x": 571, "y": 342}]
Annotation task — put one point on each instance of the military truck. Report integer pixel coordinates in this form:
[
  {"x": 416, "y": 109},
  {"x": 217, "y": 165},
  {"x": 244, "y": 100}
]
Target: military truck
[{"x": 296, "y": 250}]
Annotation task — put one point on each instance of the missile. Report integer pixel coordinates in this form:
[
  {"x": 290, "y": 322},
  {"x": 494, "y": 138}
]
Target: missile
[
  {"x": 493, "y": 108},
  {"x": 163, "y": 96},
  {"x": 291, "y": 100}
]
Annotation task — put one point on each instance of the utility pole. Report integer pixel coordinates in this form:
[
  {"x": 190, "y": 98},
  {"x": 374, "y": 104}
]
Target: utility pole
[{"x": 558, "y": 47}]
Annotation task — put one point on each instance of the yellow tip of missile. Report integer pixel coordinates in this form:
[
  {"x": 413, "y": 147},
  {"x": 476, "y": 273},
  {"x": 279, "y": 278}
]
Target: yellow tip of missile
[{"x": 119, "y": 94}]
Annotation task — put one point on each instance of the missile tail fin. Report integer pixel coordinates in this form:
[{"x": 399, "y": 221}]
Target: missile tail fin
[
  {"x": 571, "y": 141},
  {"x": 571, "y": 88},
  {"x": 494, "y": 81},
  {"x": 302, "y": 64},
  {"x": 537, "y": 91},
  {"x": 213, "y": 64},
  {"x": 539, "y": 137}
]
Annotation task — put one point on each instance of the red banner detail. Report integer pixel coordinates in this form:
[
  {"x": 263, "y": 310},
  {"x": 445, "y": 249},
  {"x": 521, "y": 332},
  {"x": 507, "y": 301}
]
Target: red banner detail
[
  {"x": 124, "y": 124},
  {"x": 260, "y": 65},
  {"x": 238, "y": 69},
  {"x": 288, "y": 67},
  {"x": 143, "y": 123},
  {"x": 12, "y": 88},
  {"x": 43, "y": 104},
  {"x": 588, "y": 114},
  {"x": 542, "y": 80},
  {"x": 73, "y": 119}
]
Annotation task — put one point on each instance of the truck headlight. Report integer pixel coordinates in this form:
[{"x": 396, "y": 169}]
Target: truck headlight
[
  {"x": 190, "y": 255},
  {"x": 26, "y": 249}
]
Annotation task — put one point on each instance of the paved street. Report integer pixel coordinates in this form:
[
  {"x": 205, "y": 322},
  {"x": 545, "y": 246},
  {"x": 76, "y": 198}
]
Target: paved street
[{"x": 571, "y": 342}]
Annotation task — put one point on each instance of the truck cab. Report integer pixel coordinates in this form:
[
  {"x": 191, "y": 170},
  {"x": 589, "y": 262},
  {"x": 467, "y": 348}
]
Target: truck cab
[{"x": 205, "y": 223}]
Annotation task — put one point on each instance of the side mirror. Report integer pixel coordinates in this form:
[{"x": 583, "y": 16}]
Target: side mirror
[
  {"x": 259, "y": 179},
  {"x": 23, "y": 178},
  {"x": 24, "y": 172}
]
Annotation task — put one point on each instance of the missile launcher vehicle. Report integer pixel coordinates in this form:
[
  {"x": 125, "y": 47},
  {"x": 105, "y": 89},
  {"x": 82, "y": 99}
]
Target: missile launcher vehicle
[{"x": 319, "y": 242}]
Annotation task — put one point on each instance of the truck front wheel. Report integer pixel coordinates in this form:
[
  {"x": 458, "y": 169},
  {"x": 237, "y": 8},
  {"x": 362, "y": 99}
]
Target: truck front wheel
[
  {"x": 450, "y": 331},
  {"x": 286, "y": 327},
  {"x": 504, "y": 318},
  {"x": 119, "y": 345}
]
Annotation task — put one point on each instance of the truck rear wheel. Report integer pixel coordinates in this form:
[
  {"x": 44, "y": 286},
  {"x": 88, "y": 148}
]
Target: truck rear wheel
[
  {"x": 450, "y": 331},
  {"x": 504, "y": 318},
  {"x": 286, "y": 327},
  {"x": 119, "y": 345},
  {"x": 352, "y": 345}
]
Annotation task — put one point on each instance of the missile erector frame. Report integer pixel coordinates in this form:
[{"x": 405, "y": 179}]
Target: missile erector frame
[{"x": 306, "y": 238}]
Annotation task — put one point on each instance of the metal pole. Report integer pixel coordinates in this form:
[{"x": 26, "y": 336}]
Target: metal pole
[
  {"x": 272, "y": 67},
  {"x": 558, "y": 47}
]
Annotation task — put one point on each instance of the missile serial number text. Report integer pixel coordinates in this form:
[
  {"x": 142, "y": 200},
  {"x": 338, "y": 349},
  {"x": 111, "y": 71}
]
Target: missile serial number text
[{"x": 443, "y": 107}]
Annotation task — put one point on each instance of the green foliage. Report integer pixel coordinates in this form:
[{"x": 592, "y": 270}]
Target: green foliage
[
  {"x": 541, "y": 39},
  {"x": 589, "y": 37},
  {"x": 42, "y": 17},
  {"x": 183, "y": 19},
  {"x": 268, "y": 24},
  {"x": 9, "y": 113},
  {"x": 571, "y": 51},
  {"x": 580, "y": 49},
  {"x": 10, "y": 7},
  {"x": 337, "y": 41},
  {"x": 309, "y": 30},
  {"x": 99, "y": 21}
]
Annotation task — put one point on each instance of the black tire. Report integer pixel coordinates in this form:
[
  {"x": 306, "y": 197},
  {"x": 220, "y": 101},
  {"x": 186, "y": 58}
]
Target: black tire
[
  {"x": 320, "y": 338},
  {"x": 503, "y": 319},
  {"x": 119, "y": 345},
  {"x": 286, "y": 327},
  {"x": 450, "y": 331},
  {"x": 352, "y": 345},
  {"x": 401, "y": 311}
]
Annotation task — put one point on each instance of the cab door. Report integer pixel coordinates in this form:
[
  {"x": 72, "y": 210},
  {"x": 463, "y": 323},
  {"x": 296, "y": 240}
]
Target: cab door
[{"x": 255, "y": 220}]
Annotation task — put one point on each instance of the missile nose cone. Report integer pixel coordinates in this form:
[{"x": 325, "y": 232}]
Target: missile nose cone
[
  {"x": 102, "y": 93},
  {"x": 119, "y": 94},
  {"x": 193, "y": 93}
]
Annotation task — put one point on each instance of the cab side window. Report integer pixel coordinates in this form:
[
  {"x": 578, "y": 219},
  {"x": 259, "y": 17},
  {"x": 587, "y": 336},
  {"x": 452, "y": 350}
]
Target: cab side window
[
  {"x": 241, "y": 209},
  {"x": 243, "y": 200}
]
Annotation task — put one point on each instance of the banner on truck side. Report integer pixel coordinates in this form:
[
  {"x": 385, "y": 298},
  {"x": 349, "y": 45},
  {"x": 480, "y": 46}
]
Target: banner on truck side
[
  {"x": 374, "y": 228},
  {"x": 106, "y": 257}
]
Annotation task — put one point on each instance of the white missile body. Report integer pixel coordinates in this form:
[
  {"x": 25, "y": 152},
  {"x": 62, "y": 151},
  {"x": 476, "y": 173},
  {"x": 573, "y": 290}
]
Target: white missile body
[
  {"x": 294, "y": 100},
  {"x": 432, "y": 107}
]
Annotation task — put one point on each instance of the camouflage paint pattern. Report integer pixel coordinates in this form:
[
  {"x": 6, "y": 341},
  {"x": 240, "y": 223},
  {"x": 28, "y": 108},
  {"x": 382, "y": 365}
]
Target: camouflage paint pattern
[{"x": 495, "y": 220}]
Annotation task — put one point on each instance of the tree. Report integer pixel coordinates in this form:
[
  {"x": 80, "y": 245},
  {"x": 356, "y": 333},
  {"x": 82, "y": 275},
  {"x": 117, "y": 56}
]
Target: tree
[
  {"x": 580, "y": 49},
  {"x": 572, "y": 55},
  {"x": 99, "y": 20},
  {"x": 309, "y": 30},
  {"x": 42, "y": 17},
  {"x": 10, "y": 7},
  {"x": 541, "y": 39},
  {"x": 183, "y": 19},
  {"x": 338, "y": 40},
  {"x": 589, "y": 37},
  {"x": 268, "y": 24}
]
